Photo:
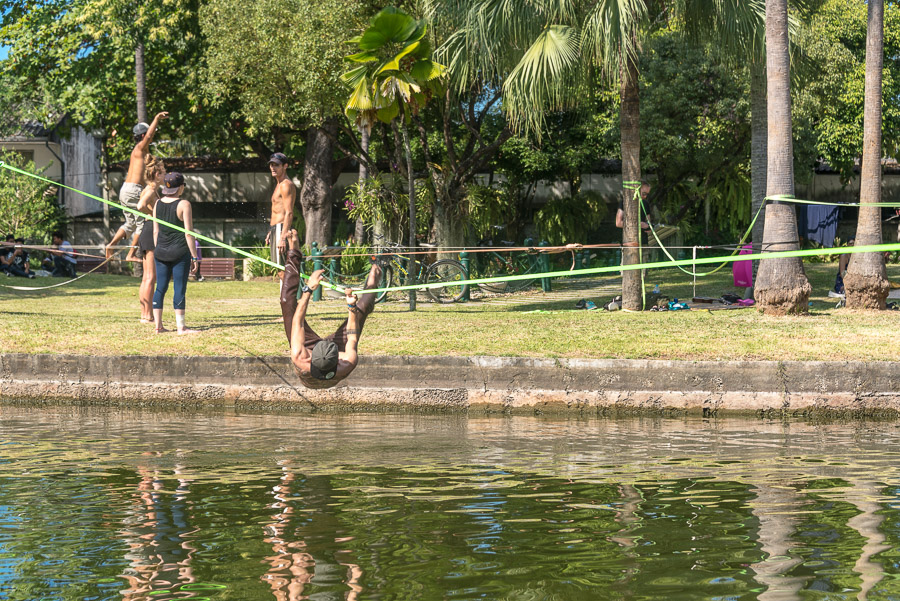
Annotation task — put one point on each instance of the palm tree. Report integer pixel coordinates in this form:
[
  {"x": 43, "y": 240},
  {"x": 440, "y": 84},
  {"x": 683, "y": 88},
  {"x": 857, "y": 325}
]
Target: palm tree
[
  {"x": 542, "y": 52},
  {"x": 866, "y": 282},
  {"x": 758, "y": 152},
  {"x": 781, "y": 286},
  {"x": 395, "y": 77}
]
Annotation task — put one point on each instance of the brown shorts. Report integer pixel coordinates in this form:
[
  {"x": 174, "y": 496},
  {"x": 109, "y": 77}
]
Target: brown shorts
[{"x": 291, "y": 286}]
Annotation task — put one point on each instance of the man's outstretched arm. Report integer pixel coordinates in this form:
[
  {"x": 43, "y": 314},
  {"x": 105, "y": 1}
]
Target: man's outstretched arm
[{"x": 144, "y": 144}]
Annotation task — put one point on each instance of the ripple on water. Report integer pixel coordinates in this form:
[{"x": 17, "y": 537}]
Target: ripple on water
[{"x": 151, "y": 505}]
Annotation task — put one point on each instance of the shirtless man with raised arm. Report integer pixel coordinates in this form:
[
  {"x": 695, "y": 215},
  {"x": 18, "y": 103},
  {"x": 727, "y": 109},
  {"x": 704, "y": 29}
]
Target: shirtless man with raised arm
[
  {"x": 283, "y": 199},
  {"x": 321, "y": 363},
  {"x": 130, "y": 193}
]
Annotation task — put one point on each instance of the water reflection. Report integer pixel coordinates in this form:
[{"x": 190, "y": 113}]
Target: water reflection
[
  {"x": 158, "y": 536},
  {"x": 155, "y": 506}
]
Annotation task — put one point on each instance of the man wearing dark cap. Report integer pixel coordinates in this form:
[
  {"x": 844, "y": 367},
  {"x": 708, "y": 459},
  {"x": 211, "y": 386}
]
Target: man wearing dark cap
[
  {"x": 321, "y": 362},
  {"x": 282, "y": 208},
  {"x": 130, "y": 193}
]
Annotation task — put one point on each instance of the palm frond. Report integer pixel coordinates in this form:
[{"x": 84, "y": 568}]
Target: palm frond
[
  {"x": 611, "y": 34},
  {"x": 735, "y": 28},
  {"x": 541, "y": 79}
]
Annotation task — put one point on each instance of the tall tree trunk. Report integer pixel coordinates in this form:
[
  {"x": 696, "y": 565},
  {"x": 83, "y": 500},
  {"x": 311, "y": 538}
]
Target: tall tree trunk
[
  {"x": 866, "y": 282},
  {"x": 758, "y": 142},
  {"x": 315, "y": 195},
  {"x": 140, "y": 82},
  {"x": 412, "y": 214},
  {"x": 782, "y": 286},
  {"x": 449, "y": 229},
  {"x": 359, "y": 232},
  {"x": 630, "y": 126}
]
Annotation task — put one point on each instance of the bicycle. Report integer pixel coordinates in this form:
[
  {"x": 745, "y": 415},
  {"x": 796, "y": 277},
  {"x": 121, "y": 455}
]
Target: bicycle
[
  {"x": 442, "y": 271},
  {"x": 494, "y": 263}
]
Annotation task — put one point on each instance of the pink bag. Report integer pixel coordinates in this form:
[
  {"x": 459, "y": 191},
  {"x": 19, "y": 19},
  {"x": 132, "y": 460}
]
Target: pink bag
[{"x": 743, "y": 270}]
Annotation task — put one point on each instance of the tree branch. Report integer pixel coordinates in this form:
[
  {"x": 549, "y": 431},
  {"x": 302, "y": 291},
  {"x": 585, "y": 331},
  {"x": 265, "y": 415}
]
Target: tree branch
[
  {"x": 435, "y": 177},
  {"x": 448, "y": 134},
  {"x": 476, "y": 161},
  {"x": 359, "y": 155}
]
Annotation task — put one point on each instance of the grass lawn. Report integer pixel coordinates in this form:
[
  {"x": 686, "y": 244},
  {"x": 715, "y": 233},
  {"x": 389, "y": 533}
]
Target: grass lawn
[{"x": 99, "y": 315}]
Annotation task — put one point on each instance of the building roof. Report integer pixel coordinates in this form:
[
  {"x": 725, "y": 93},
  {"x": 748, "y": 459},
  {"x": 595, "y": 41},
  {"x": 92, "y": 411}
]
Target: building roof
[
  {"x": 206, "y": 164},
  {"x": 30, "y": 131}
]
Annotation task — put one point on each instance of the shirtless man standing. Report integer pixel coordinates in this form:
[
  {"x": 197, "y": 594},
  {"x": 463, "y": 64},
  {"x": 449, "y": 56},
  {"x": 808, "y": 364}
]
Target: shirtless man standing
[
  {"x": 130, "y": 193},
  {"x": 283, "y": 199}
]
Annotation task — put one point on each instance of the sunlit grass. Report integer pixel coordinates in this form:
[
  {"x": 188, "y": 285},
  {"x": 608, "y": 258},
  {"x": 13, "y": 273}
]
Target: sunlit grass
[{"x": 99, "y": 315}]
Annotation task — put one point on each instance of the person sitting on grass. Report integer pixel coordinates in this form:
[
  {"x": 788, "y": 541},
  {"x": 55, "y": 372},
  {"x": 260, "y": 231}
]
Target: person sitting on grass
[
  {"x": 17, "y": 263},
  {"x": 321, "y": 362},
  {"x": 63, "y": 257},
  {"x": 6, "y": 249}
]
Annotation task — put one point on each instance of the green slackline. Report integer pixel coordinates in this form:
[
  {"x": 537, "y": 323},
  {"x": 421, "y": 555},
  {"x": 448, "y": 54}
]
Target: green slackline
[
  {"x": 694, "y": 273},
  {"x": 151, "y": 218},
  {"x": 529, "y": 276},
  {"x": 786, "y": 254},
  {"x": 773, "y": 198},
  {"x": 790, "y": 198}
]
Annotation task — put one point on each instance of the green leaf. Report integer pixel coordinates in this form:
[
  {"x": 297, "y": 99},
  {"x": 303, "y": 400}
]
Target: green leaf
[
  {"x": 426, "y": 70},
  {"x": 362, "y": 57},
  {"x": 353, "y": 76},
  {"x": 391, "y": 25},
  {"x": 360, "y": 99},
  {"x": 389, "y": 113}
]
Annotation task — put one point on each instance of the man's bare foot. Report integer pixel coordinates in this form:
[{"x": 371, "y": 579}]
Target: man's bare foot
[
  {"x": 187, "y": 331},
  {"x": 109, "y": 251},
  {"x": 161, "y": 330},
  {"x": 146, "y": 320},
  {"x": 133, "y": 258},
  {"x": 293, "y": 239}
]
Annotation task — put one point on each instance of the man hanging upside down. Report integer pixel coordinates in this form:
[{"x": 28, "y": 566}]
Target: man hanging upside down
[{"x": 321, "y": 363}]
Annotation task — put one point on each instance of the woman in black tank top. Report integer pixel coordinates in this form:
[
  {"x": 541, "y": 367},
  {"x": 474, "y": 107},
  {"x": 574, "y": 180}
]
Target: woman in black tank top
[{"x": 175, "y": 250}]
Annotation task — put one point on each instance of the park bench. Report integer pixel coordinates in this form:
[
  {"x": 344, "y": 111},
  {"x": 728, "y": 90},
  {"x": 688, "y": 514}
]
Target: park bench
[
  {"x": 85, "y": 264},
  {"x": 217, "y": 267}
]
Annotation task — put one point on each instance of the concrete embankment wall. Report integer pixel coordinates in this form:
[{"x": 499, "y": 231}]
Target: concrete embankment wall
[{"x": 461, "y": 384}]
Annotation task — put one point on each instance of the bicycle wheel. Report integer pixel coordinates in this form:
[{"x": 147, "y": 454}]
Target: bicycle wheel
[
  {"x": 449, "y": 271},
  {"x": 492, "y": 265},
  {"x": 523, "y": 264},
  {"x": 498, "y": 265},
  {"x": 386, "y": 281}
]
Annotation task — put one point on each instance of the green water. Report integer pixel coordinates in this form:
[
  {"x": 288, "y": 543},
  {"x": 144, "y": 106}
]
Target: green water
[{"x": 98, "y": 504}]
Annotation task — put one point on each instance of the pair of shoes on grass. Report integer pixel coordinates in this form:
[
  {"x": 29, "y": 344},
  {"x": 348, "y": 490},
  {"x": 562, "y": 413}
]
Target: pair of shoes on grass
[{"x": 586, "y": 304}]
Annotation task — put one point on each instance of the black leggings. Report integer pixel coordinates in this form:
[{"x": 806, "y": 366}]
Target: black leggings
[{"x": 178, "y": 272}]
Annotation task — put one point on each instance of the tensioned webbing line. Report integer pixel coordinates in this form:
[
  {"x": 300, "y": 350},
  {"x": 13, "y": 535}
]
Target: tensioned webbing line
[
  {"x": 152, "y": 218},
  {"x": 775, "y": 198},
  {"x": 812, "y": 252},
  {"x": 695, "y": 273},
  {"x": 218, "y": 243},
  {"x": 507, "y": 278}
]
